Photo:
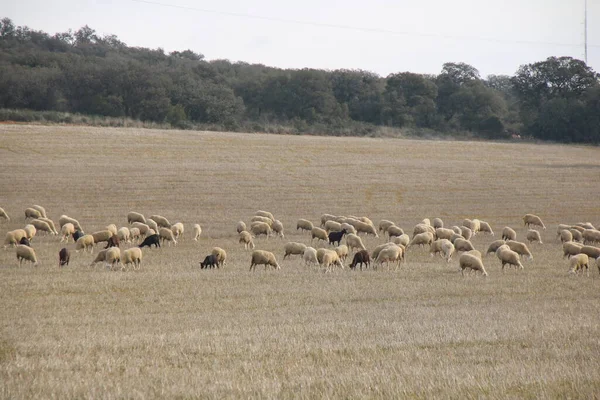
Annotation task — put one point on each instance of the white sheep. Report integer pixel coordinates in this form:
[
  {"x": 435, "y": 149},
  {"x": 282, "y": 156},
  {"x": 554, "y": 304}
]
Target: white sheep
[
  {"x": 102, "y": 236},
  {"x": 579, "y": 261},
  {"x": 342, "y": 251},
  {"x": 421, "y": 239},
  {"x": 466, "y": 232},
  {"x": 475, "y": 226},
  {"x": 426, "y": 221},
  {"x": 437, "y": 223},
  {"x": 534, "y": 236},
  {"x": 444, "y": 247},
  {"x": 246, "y": 239},
  {"x": 258, "y": 218},
  {"x": 494, "y": 246},
  {"x": 26, "y": 253},
  {"x": 577, "y": 235},
  {"x": 32, "y": 213},
  {"x": 135, "y": 217},
  {"x": 124, "y": 234},
  {"x": 484, "y": 227},
  {"x": 150, "y": 232},
  {"x": 266, "y": 214},
  {"x": 394, "y": 231},
  {"x": 333, "y": 226},
  {"x": 161, "y": 221},
  {"x": 143, "y": 228},
  {"x": 364, "y": 227},
  {"x": 591, "y": 236},
  {"x": 349, "y": 228},
  {"x": 402, "y": 240},
  {"x": 65, "y": 219},
  {"x": 390, "y": 254},
  {"x": 262, "y": 257},
  {"x": 310, "y": 256},
  {"x": 463, "y": 245},
  {"x": 152, "y": 224},
  {"x": 101, "y": 256},
  {"x": 384, "y": 224},
  {"x": 472, "y": 262},
  {"x": 331, "y": 259},
  {"x": 3, "y": 214},
  {"x": 326, "y": 217},
  {"x": 112, "y": 257},
  {"x": 423, "y": 228},
  {"x": 112, "y": 228},
  {"x": 293, "y": 248},
  {"x": 261, "y": 228},
  {"x": 278, "y": 228},
  {"x": 319, "y": 233},
  {"x": 377, "y": 249},
  {"x": 591, "y": 251},
  {"x": 41, "y": 209},
  {"x": 520, "y": 248},
  {"x": 457, "y": 230},
  {"x": 134, "y": 234},
  {"x": 444, "y": 233},
  {"x": 30, "y": 231},
  {"x": 177, "y": 230},
  {"x": 66, "y": 231},
  {"x": 586, "y": 225},
  {"x": 562, "y": 227},
  {"x": 571, "y": 249},
  {"x": 354, "y": 242},
  {"x": 474, "y": 252},
  {"x": 85, "y": 242},
  {"x": 240, "y": 227},
  {"x": 132, "y": 256},
  {"x": 565, "y": 236},
  {"x": 304, "y": 225},
  {"x": 507, "y": 256},
  {"x": 220, "y": 254},
  {"x": 166, "y": 234},
  {"x": 14, "y": 237},
  {"x": 50, "y": 224},
  {"x": 508, "y": 233},
  {"x": 198, "y": 231},
  {"x": 533, "y": 220},
  {"x": 42, "y": 226}
]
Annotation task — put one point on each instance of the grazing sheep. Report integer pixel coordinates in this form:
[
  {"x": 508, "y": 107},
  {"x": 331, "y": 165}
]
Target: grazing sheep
[
  {"x": 112, "y": 228},
  {"x": 565, "y": 236},
  {"x": 42, "y": 226},
  {"x": 463, "y": 245},
  {"x": 444, "y": 233},
  {"x": 562, "y": 227},
  {"x": 577, "y": 235},
  {"x": 578, "y": 228},
  {"x": 363, "y": 227},
  {"x": 327, "y": 217},
  {"x": 437, "y": 223},
  {"x": 266, "y": 214},
  {"x": 3, "y": 214},
  {"x": 124, "y": 234},
  {"x": 475, "y": 226},
  {"x": 361, "y": 257},
  {"x": 112, "y": 241},
  {"x": 394, "y": 231},
  {"x": 475, "y": 253},
  {"x": 14, "y": 237},
  {"x": 494, "y": 246},
  {"x": 402, "y": 240},
  {"x": 422, "y": 228},
  {"x": 134, "y": 234},
  {"x": 534, "y": 236},
  {"x": 304, "y": 225},
  {"x": 293, "y": 248},
  {"x": 354, "y": 242},
  {"x": 101, "y": 256},
  {"x": 426, "y": 221},
  {"x": 32, "y": 213},
  {"x": 579, "y": 261},
  {"x": 520, "y": 248},
  {"x": 167, "y": 234},
  {"x": 152, "y": 225},
  {"x": 335, "y": 237},
  {"x": 377, "y": 250},
  {"x": 391, "y": 253},
  {"x": 135, "y": 217},
  {"x": 26, "y": 253},
  {"x": 455, "y": 237},
  {"x": 262, "y": 257},
  {"x": 261, "y": 228},
  {"x": 571, "y": 249},
  {"x": 177, "y": 230},
  {"x": 384, "y": 224},
  {"x": 472, "y": 262},
  {"x": 64, "y": 219},
  {"x": 586, "y": 225},
  {"x": 143, "y": 228},
  {"x": 151, "y": 240},
  {"x": 508, "y": 233},
  {"x": 102, "y": 236},
  {"x": 50, "y": 224},
  {"x": 590, "y": 251},
  {"x": 240, "y": 227},
  {"x": 30, "y": 231},
  {"x": 484, "y": 227},
  {"x": 319, "y": 233},
  {"x": 151, "y": 232},
  {"x": 278, "y": 228},
  {"x": 507, "y": 256},
  {"x": 330, "y": 260},
  {"x": 258, "y": 218},
  {"x": 348, "y": 228},
  {"x": 310, "y": 256},
  {"x": 198, "y": 231},
  {"x": 421, "y": 239},
  {"x": 533, "y": 220},
  {"x": 466, "y": 232},
  {"x": 113, "y": 257},
  {"x": 332, "y": 226},
  {"x": 467, "y": 222},
  {"x": 246, "y": 240},
  {"x": 85, "y": 242},
  {"x": 220, "y": 254},
  {"x": 25, "y": 241},
  {"x": 342, "y": 251},
  {"x": 457, "y": 230},
  {"x": 64, "y": 255},
  {"x": 444, "y": 247},
  {"x": 210, "y": 261},
  {"x": 132, "y": 256},
  {"x": 591, "y": 236},
  {"x": 161, "y": 221}
]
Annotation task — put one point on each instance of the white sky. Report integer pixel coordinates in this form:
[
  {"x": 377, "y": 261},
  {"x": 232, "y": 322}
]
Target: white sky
[{"x": 420, "y": 35}]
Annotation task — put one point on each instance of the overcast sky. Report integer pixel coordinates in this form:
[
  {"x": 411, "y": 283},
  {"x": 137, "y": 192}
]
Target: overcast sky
[{"x": 382, "y": 36}]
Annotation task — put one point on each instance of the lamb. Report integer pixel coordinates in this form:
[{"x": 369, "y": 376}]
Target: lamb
[
  {"x": 507, "y": 256},
  {"x": 533, "y": 220},
  {"x": 342, "y": 251},
  {"x": 220, "y": 254},
  {"x": 151, "y": 240},
  {"x": 463, "y": 245},
  {"x": 112, "y": 228},
  {"x": 335, "y": 237},
  {"x": 331, "y": 259},
  {"x": 565, "y": 236},
  {"x": 421, "y": 239},
  {"x": 444, "y": 247},
  {"x": 246, "y": 239},
  {"x": 472, "y": 262},
  {"x": 391, "y": 253},
  {"x": 210, "y": 261},
  {"x": 332, "y": 226},
  {"x": 304, "y": 225},
  {"x": 578, "y": 262},
  {"x": 363, "y": 227},
  {"x": 64, "y": 219},
  {"x": 266, "y": 214},
  {"x": 14, "y": 237},
  {"x": 590, "y": 251},
  {"x": 42, "y": 226},
  {"x": 3, "y": 214},
  {"x": 520, "y": 248},
  {"x": 437, "y": 223},
  {"x": 135, "y": 217},
  {"x": 310, "y": 256},
  {"x": 198, "y": 231},
  {"x": 402, "y": 240},
  {"x": 112, "y": 241},
  {"x": 534, "y": 236},
  {"x": 577, "y": 235},
  {"x": 240, "y": 227},
  {"x": 26, "y": 253},
  {"x": 124, "y": 234},
  {"x": 466, "y": 232},
  {"x": 293, "y": 248},
  {"x": 143, "y": 228},
  {"x": 50, "y": 224},
  {"x": 384, "y": 224},
  {"x": 591, "y": 236},
  {"x": 494, "y": 246},
  {"x": 102, "y": 236},
  {"x": 134, "y": 234},
  {"x": 361, "y": 257},
  {"x": 508, "y": 233},
  {"x": 278, "y": 228},
  {"x": 444, "y": 233},
  {"x": 178, "y": 230},
  {"x": 258, "y": 218},
  {"x": 161, "y": 221},
  {"x": 319, "y": 233},
  {"x": 349, "y": 228},
  {"x": 394, "y": 231},
  {"x": 64, "y": 255},
  {"x": 571, "y": 249},
  {"x": 32, "y": 213},
  {"x": 167, "y": 234},
  {"x": 354, "y": 242},
  {"x": 132, "y": 256},
  {"x": 484, "y": 227},
  {"x": 30, "y": 231},
  {"x": 262, "y": 257},
  {"x": 152, "y": 225},
  {"x": 261, "y": 228},
  {"x": 85, "y": 242}
]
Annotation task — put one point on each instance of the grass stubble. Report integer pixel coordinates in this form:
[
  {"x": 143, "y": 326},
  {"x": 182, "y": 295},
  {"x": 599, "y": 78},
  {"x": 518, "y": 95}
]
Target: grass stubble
[{"x": 172, "y": 330}]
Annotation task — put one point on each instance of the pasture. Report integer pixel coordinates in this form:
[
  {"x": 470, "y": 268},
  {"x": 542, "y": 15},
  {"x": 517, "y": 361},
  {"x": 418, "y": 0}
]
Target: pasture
[{"x": 173, "y": 330}]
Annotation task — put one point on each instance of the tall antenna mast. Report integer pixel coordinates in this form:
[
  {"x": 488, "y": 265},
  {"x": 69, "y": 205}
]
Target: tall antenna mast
[{"x": 585, "y": 31}]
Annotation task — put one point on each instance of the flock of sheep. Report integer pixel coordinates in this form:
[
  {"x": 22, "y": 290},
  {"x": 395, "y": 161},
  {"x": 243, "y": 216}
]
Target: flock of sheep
[{"x": 578, "y": 241}]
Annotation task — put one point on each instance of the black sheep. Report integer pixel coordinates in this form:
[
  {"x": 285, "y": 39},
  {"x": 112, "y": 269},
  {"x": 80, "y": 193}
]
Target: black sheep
[
  {"x": 63, "y": 257},
  {"x": 360, "y": 258},
  {"x": 336, "y": 236},
  {"x": 210, "y": 261},
  {"x": 151, "y": 240}
]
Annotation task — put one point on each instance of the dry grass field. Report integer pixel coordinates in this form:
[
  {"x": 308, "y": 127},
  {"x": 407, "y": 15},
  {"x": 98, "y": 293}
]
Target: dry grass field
[{"x": 173, "y": 330}]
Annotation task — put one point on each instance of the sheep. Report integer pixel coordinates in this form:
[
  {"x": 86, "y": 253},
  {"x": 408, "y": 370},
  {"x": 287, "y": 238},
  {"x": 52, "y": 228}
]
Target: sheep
[
  {"x": 319, "y": 233},
  {"x": 112, "y": 228},
  {"x": 25, "y": 241},
  {"x": 391, "y": 253},
  {"x": 457, "y": 230},
  {"x": 42, "y": 226},
  {"x": 377, "y": 250},
  {"x": 342, "y": 251},
  {"x": 32, "y": 213},
  {"x": 335, "y": 237},
  {"x": 533, "y": 220},
  {"x": 520, "y": 248},
  {"x": 113, "y": 257},
  {"x": 64, "y": 219},
  {"x": 366, "y": 221},
  {"x": 331, "y": 259},
  {"x": 494, "y": 246},
  {"x": 577, "y": 235},
  {"x": 26, "y": 253},
  {"x": 426, "y": 221},
  {"x": 466, "y": 232},
  {"x": 153, "y": 225},
  {"x": 151, "y": 232},
  {"x": 402, "y": 240},
  {"x": 112, "y": 241},
  {"x": 361, "y": 257},
  {"x": 475, "y": 253},
  {"x": 578, "y": 228},
  {"x": 354, "y": 242},
  {"x": 484, "y": 227},
  {"x": 101, "y": 256},
  {"x": 50, "y": 224},
  {"x": 310, "y": 256},
  {"x": 85, "y": 242},
  {"x": 304, "y": 225},
  {"x": 444, "y": 247},
  {"x": 565, "y": 236},
  {"x": 102, "y": 236},
  {"x": 135, "y": 217},
  {"x": 437, "y": 223},
  {"x": 562, "y": 227},
  {"x": 332, "y": 226},
  {"x": 293, "y": 248},
  {"x": 384, "y": 224},
  {"x": 348, "y": 228},
  {"x": 278, "y": 228},
  {"x": 590, "y": 251},
  {"x": 472, "y": 262},
  {"x": 422, "y": 228},
  {"x": 455, "y": 237},
  {"x": 591, "y": 236},
  {"x": 579, "y": 261},
  {"x": 167, "y": 234},
  {"x": 124, "y": 234},
  {"x": 444, "y": 233},
  {"x": 258, "y": 218},
  {"x": 30, "y": 231},
  {"x": 507, "y": 256},
  {"x": 421, "y": 239},
  {"x": 363, "y": 227},
  {"x": 177, "y": 230},
  {"x": 475, "y": 226},
  {"x": 220, "y": 254},
  {"x": 266, "y": 214},
  {"x": 76, "y": 235},
  {"x": 151, "y": 240},
  {"x": 246, "y": 239},
  {"x": 142, "y": 227},
  {"x": 240, "y": 226},
  {"x": 13, "y": 237},
  {"x": 132, "y": 256},
  {"x": 210, "y": 261},
  {"x": 3, "y": 214},
  {"x": 394, "y": 231},
  {"x": 352, "y": 221},
  {"x": 161, "y": 221},
  {"x": 534, "y": 236},
  {"x": 261, "y": 228},
  {"x": 467, "y": 222},
  {"x": 586, "y": 225},
  {"x": 198, "y": 231},
  {"x": 262, "y": 257},
  {"x": 64, "y": 255},
  {"x": 508, "y": 233},
  {"x": 325, "y": 218},
  {"x": 463, "y": 245},
  {"x": 134, "y": 234},
  {"x": 571, "y": 249}
]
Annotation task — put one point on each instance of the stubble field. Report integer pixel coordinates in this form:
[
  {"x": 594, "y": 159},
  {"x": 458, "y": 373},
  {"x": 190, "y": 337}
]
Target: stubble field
[{"x": 173, "y": 330}]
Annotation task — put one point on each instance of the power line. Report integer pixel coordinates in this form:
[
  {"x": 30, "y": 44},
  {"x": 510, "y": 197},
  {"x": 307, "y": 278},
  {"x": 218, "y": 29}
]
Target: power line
[{"x": 357, "y": 28}]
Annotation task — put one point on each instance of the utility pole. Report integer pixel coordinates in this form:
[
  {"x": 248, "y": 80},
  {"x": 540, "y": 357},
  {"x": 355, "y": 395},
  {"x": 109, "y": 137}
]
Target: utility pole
[{"x": 585, "y": 31}]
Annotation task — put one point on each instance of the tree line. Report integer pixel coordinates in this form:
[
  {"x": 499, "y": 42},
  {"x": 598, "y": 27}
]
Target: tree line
[{"x": 82, "y": 72}]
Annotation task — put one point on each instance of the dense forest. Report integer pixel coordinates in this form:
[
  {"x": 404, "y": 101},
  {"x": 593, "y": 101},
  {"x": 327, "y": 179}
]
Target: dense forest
[{"x": 81, "y": 72}]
